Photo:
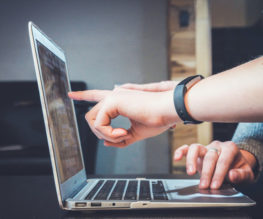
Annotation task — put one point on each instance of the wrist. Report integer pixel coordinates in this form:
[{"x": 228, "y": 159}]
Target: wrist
[
  {"x": 170, "y": 116},
  {"x": 186, "y": 101}
]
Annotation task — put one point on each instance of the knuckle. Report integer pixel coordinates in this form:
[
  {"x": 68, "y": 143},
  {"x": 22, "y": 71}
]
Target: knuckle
[
  {"x": 193, "y": 146},
  {"x": 87, "y": 116},
  {"x": 215, "y": 143},
  {"x": 96, "y": 126},
  {"x": 184, "y": 146},
  {"x": 232, "y": 147},
  {"x": 181, "y": 148},
  {"x": 157, "y": 122}
]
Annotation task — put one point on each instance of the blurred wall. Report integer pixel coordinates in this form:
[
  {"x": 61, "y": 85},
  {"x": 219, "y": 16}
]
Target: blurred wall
[{"x": 107, "y": 42}]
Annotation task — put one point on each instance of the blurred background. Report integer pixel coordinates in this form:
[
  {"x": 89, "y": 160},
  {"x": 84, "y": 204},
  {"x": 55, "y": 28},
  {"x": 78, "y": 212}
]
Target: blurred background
[{"x": 110, "y": 42}]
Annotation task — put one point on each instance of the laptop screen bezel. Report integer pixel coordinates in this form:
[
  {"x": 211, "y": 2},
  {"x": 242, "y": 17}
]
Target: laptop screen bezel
[{"x": 71, "y": 185}]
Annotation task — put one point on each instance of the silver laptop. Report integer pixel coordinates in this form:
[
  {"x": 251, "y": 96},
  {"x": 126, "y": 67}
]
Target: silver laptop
[{"x": 77, "y": 192}]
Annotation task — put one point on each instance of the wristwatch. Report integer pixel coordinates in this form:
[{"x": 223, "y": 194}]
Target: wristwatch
[{"x": 179, "y": 93}]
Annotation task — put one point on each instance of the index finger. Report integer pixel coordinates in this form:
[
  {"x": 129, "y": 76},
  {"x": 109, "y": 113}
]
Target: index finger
[
  {"x": 89, "y": 95},
  {"x": 154, "y": 87}
]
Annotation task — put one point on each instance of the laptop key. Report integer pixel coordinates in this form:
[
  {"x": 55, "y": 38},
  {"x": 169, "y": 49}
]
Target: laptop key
[
  {"x": 94, "y": 190},
  {"x": 118, "y": 190},
  {"x": 131, "y": 192},
  {"x": 159, "y": 191},
  {"x": 145, "y": 193},
  {"x": 105, "y": 190}
]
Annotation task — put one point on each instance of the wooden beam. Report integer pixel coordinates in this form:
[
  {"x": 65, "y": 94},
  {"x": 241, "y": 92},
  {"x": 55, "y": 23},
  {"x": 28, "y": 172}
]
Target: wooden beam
[
  {"x": 203, "y": 58},
  {"x": 189, "y": 53}
]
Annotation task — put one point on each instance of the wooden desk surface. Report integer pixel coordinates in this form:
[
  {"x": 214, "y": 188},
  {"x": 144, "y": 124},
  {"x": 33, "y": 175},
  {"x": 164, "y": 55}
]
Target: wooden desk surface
[{"x": 35, "y": 197}]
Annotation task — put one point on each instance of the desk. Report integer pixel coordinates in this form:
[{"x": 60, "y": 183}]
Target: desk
[{"x": 35, "y": 197}]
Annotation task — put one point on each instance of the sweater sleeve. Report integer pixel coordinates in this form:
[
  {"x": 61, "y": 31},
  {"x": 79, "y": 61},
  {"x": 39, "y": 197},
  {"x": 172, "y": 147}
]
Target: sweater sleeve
[{"x": 249, "y": 137}]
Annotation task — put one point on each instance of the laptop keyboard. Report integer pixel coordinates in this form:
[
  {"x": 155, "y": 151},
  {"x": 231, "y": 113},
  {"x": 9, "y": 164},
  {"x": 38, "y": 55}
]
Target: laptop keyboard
[
  {"x": 131, "y": 192},
  {"x": 128, "y": 190},
  {"x": 118, "y": 190},
  {"x": 145, "y": 193},
  {"x": 94, "y": 190},
  {"x": 105, "y": 190},
  {"x": 159, "y": 191}
]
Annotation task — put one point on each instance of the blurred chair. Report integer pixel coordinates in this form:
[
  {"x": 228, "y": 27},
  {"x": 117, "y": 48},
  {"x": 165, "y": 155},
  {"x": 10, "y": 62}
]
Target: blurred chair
[{"x": 23, "y": 142}]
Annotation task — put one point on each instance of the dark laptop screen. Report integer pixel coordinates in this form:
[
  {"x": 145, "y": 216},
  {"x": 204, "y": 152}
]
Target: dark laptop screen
[{"x": 60, "y": 114}]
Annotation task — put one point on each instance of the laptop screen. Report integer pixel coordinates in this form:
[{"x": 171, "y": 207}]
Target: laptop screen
[{"x": 60, "y": 114}]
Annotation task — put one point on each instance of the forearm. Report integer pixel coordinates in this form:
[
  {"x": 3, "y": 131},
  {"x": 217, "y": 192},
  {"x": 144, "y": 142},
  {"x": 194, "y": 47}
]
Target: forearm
[{"x": 231, "y": 96}]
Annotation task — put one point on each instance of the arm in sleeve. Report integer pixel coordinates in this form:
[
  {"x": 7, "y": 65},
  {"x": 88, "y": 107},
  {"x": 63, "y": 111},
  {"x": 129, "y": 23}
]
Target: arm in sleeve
[{"x": 249, "y": 137}]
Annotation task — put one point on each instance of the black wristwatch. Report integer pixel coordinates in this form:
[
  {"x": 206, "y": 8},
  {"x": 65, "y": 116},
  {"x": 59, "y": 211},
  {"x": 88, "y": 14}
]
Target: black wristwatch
[{"x": 179, "y": 93}]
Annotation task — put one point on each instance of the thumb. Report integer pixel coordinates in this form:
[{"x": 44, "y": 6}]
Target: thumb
[
  {"x": 241, "y": 175},
  {"x": 89, "y": 95}
]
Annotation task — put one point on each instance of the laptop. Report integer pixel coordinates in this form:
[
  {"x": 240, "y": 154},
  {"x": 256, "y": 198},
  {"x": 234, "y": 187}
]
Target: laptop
[{"x": 77, "y": 192}]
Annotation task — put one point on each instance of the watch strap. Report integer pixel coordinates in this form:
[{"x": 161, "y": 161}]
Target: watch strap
[{"x": 179, "y": 93}]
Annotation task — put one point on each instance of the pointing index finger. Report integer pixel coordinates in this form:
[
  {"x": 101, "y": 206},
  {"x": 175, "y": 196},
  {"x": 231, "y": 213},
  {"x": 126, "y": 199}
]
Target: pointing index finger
[{"x": 89, "y": 95}]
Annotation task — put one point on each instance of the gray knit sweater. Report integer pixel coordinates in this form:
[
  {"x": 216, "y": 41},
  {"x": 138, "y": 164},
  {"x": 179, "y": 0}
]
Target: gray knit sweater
[{"x": 249, "y": 137}]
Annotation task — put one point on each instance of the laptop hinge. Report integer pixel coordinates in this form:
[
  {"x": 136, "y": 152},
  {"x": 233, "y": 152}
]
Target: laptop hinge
[{"x": 76, "y": 191}]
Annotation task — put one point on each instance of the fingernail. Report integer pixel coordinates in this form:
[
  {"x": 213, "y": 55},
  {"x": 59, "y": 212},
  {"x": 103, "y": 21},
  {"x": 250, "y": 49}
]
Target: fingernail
[
  {"x": 214, "y": 185},
  {"x": 119, "y": 132},
  {"x": 176, "y": 155},
  {"x": 203, "y": 183},
  {"x": 190, "y": 169}
]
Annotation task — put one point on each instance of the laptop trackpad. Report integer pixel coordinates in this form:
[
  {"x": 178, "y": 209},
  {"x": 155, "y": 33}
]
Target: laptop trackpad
[{"x": 187, "y": 190}]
